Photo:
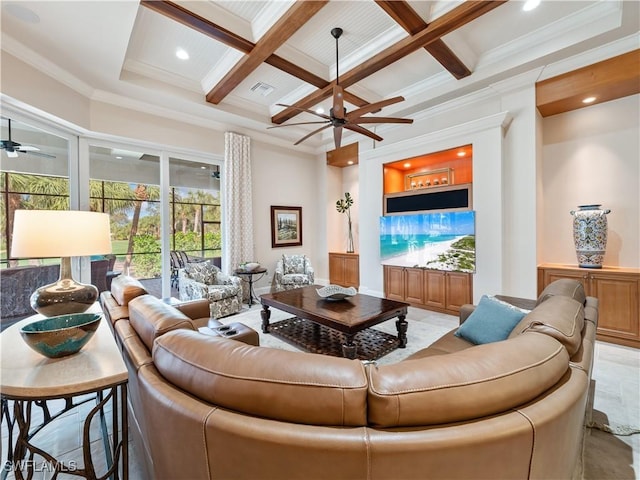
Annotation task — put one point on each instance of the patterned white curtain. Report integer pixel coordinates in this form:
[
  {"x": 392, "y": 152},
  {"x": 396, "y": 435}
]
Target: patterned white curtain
[{"x": 238, "y": 239}]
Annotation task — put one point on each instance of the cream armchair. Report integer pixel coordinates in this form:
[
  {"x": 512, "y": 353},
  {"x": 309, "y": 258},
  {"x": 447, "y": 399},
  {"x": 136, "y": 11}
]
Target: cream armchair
[
  {"x": 205, "y": 280},
  {"x": 292, "y": 271}
]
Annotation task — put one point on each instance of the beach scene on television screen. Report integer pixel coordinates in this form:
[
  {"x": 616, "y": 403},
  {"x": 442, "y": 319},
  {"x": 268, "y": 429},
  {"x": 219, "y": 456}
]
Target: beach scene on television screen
[{"x": 439, "y": 241}]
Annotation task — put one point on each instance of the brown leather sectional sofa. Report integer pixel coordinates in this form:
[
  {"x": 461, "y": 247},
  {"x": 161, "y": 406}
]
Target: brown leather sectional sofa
[{"x": 205, "y": 406}]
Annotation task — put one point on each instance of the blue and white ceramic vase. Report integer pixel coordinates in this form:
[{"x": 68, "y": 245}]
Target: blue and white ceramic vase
[{"x": 590, "y": 234}]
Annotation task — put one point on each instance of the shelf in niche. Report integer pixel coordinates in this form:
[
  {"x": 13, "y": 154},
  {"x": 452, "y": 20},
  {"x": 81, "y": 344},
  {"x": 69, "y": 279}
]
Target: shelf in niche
[{"x": 429, "y": 179}]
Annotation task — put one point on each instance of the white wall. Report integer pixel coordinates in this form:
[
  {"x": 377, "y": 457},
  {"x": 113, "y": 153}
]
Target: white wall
[
  {"x": 283, "y": 176},
  {"x": 592, "y": 155}
]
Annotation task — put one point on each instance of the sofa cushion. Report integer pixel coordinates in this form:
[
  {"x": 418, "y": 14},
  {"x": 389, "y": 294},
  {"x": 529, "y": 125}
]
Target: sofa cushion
[
  {"x": 270, "y": 383},
  {"x": 491, "y": 321},
  {"x": 565, "y": 287},
  {"x": 150, "y": 317},
  {"x": 125, "y": 288},
  {"x": 468, "y": 384},
  {"x": 558, "y": 316}
]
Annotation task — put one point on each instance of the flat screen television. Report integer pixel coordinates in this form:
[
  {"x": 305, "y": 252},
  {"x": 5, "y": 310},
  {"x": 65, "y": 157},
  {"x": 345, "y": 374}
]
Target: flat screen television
[{"x": 438, "y": 241}]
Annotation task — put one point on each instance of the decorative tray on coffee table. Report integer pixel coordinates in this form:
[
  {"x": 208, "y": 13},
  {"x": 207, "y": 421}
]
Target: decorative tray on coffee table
[{"x": 336, "y": 292}]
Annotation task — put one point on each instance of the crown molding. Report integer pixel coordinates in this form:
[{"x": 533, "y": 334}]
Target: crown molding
[
  {"x": 153, "y": 73},
  {"x": 220, "y": 69},
  {"x": 410, "y": 146},
  {"x": 44, "y": 65},
  {"x": 269, "y": 15}
]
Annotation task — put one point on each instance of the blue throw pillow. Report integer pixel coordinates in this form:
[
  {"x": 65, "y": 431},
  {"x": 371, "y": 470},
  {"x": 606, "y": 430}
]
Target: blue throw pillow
[{"x": 491, "y": 321}]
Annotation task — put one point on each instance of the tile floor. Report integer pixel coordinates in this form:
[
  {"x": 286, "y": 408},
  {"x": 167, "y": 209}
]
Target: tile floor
[{"x": 616, "y": 380}]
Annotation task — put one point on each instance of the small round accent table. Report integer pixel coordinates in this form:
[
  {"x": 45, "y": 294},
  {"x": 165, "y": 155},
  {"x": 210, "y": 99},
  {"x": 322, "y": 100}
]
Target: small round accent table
[{"x": 248, "y": 276}]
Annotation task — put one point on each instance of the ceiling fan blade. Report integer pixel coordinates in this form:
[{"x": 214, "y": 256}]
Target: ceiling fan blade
[
  {"x": 12, "y": 153},
  {"x": 381, "y": 120},
  {"x": 338, "y": 102},
  {"x": 337, "y": 136},
  {"x": 40, "y": 154},
  {"x": 312, "y": 133},
  {"x": 299, "y": 123},
  {"x": 27, "y": 148},
  {"x": 373, "y": 107},
  {"x": 357, "y": 128},
  {"x": 321, "y": 115}
]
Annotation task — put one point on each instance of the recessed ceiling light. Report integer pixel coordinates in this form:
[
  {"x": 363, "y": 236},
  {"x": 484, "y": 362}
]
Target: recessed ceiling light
[
  {"x": 119, "y": 157},
  {"x": 461, "y": 153},
  {"x": 203, "y": 167},
  {"x": 182, "y": 54},
  {"x": 530, "y": 5},
  {"x": 407, "y": 165},
  {"x": 320, "y": 110},
  {"x": 589, "y": 100},
  {"x": 350, "y": 162}
]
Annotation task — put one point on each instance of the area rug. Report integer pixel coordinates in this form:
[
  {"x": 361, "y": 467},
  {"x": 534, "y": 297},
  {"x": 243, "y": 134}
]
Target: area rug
[
  {"x": 425, "y": 327},
  {"x": 371, "y": 344}
]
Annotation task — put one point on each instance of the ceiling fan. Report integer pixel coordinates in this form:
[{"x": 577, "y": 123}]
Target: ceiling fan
[
  {"x": 339, "y": 118},
  {"x": 13, "y": 148}
]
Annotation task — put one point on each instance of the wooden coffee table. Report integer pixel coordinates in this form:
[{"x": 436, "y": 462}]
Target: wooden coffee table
[{"x": 348, "y": 316}]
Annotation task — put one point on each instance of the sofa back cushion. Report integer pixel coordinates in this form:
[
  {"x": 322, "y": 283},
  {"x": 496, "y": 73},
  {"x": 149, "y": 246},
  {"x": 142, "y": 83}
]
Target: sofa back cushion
[
  {"x": 558, "y": 316},
  {"x": 125, "y": 288},
  {"x": 469, "y": 384},
  {"x": 565, "y": 287},
  {"x": 202, "y": 272},
  {"x": 294, "y": 264},
  {"x": 150, "y": 317},
  {"x": 266, "y": 382}
]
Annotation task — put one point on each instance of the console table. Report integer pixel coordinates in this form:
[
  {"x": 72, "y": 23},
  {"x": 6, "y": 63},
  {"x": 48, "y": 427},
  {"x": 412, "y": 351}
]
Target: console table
[{"x": 29, "y": 380}]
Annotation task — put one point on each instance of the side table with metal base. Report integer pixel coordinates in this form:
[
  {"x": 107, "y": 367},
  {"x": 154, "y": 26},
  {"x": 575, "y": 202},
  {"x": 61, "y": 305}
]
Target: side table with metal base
[
  {"x": 247, "y": 276},
  {"x": 28, "y": 379}
]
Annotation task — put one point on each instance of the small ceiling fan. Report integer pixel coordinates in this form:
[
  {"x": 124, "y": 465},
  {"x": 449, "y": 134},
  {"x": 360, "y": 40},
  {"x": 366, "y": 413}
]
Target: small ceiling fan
[
  {"x": 14, "y": 148},
  {"x": 339, "y": 118}
]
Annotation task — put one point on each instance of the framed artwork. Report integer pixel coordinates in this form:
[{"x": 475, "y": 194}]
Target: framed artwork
[{"x": 286, "y": 226}]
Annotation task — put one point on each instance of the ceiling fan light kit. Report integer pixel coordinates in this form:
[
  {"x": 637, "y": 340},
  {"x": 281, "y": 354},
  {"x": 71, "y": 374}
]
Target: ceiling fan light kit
[{"x": 339, "y": 118}]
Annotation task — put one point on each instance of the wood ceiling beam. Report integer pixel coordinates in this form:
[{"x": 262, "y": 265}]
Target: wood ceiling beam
[
  {"x": 280, "y": 32},
  {"x": 608, "y": 80},
  {"x": 206, "y": 27},
  {"x": 407, "y": 18},
  {"x": 441, "y": 26}
]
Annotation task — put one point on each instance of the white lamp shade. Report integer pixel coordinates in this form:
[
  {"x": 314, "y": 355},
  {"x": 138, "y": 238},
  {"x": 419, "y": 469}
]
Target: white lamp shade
[{"x": 60, "y": 233}]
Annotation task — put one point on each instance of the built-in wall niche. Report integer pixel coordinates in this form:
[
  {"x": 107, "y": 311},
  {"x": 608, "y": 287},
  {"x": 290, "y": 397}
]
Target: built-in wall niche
[
  {"x": 447, "y": 167},
  {"x": 436, "y": 181}
]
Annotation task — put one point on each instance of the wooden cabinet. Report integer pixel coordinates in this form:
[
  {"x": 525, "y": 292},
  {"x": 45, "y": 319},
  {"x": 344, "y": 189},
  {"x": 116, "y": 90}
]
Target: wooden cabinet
[
  {"x": 431, "y": 289},
  {"x": 344, "y": 269},
  {"x": 617, "y": 291}
]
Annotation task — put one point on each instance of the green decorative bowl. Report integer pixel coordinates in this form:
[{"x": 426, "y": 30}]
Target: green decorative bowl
[{"x": 60, "y": 336}]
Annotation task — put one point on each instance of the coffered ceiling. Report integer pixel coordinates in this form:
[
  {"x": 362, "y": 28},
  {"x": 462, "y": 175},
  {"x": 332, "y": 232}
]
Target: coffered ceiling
[{"x": 247, "y": 57}]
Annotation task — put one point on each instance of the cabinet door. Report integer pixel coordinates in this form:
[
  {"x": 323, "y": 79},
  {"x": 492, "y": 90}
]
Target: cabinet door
[
  {"x": 617, "y": 305},
  {"x": 351, "y": 268},
  {"x": 550, "y": 276},
  {"x": 458, "y": 288},
  {"x": 414, "y": 286},
  {"x": 434, "y": 289},
  {"x": 336, "y": 272},
  {"x": 394, "y": 283}
]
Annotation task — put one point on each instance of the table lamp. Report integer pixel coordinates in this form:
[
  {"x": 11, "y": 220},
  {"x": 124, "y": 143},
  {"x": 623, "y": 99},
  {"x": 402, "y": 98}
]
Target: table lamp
[{"x": 64, "y": 234}]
